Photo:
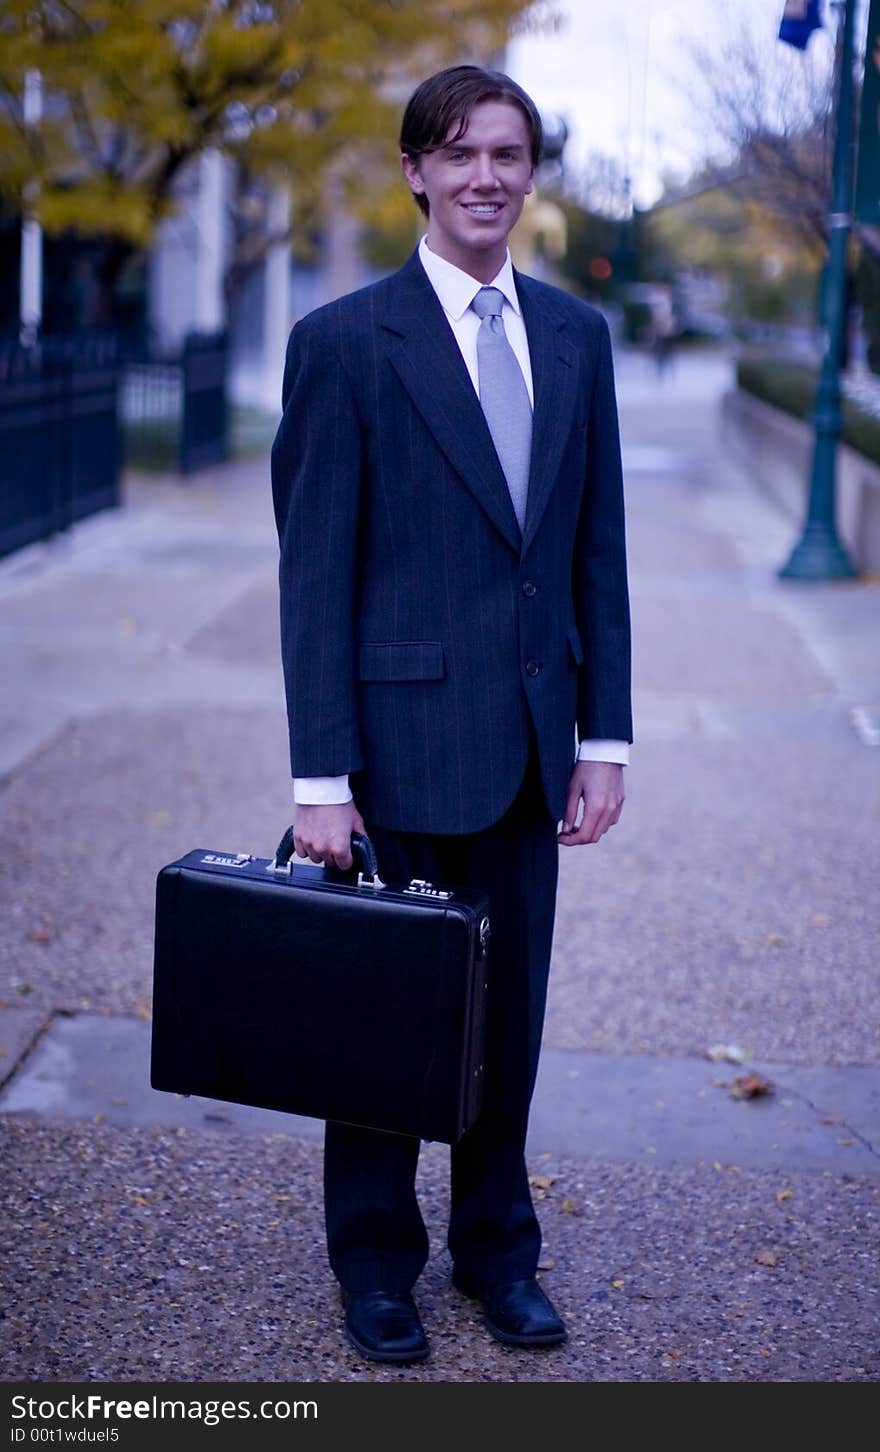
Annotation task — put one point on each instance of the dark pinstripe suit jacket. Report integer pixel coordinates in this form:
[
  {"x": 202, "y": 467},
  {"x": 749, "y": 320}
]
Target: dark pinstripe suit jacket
[{"x": 421, "y": 632}]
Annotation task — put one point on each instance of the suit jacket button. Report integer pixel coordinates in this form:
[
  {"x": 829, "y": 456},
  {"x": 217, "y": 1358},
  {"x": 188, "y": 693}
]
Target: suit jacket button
[
  {"x": 529, "y": 589},
  {"x": 532, "y": 668}
]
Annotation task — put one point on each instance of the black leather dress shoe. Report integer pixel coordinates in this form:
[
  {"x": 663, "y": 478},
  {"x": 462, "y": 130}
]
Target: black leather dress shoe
[
  {"x": 517, "y": 1312},
  {"x": 384, "y": 1325}
]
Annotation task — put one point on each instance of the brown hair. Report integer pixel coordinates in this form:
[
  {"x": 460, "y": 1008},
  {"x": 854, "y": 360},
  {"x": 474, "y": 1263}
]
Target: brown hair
[{"x": 448, "y": 97}]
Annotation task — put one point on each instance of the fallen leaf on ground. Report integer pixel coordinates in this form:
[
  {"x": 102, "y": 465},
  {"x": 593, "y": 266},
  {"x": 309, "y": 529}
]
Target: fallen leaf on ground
[
  {"x": 547, "y": 1264},
  {"x": 618, "y": 1285},
  {"x": 784, "y": 1194},
  {"x": 674, "y": 1354},
  {"x": 766, "y": 1257},
  {"x": 569, "y": 1206},
  {"x": 750, "y": 1086},
  {"x": 40, "y": 935},
  {"x": 541, "y": 1182}
]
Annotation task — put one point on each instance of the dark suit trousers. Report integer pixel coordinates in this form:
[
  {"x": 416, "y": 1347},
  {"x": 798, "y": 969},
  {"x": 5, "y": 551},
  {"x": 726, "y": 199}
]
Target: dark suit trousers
[{"x": 376, "y": 1237}]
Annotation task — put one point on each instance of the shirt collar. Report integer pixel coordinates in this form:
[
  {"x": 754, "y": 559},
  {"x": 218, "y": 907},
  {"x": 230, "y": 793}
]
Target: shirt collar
[{"x": 456, "y": 289}]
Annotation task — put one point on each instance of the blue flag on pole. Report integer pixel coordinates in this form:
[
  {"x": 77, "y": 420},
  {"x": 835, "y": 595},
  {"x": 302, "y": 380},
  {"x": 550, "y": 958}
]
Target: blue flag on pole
[{"x": 799, "y": 19}]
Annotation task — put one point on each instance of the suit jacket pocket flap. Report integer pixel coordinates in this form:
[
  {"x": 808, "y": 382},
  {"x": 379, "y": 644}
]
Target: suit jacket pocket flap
[
  {"x": 574, "y": 641},
  {"x": 401, "y": 660}
]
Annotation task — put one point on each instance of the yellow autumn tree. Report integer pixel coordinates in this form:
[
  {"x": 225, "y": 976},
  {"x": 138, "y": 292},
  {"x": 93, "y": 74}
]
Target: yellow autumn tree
[{"x": 292, "y": 90}]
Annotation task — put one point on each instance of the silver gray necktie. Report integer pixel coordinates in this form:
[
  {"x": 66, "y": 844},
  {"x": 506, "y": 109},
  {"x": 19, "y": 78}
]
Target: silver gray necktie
[{"x": 504, "y": 397}]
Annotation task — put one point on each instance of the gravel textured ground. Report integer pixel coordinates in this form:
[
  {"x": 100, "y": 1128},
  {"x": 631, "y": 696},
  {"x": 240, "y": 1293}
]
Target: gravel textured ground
[{"x": 153, "y": 1255}]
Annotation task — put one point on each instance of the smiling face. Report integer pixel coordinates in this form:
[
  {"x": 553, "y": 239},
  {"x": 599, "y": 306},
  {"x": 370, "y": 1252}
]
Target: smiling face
[{"x": 475, "y": 186}]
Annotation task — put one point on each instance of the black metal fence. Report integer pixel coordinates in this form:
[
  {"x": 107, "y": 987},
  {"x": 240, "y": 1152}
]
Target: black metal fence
[
  {"x": 67, "y": 405},
  {"x": 175, "y": 407},
  {"x": 60, "y": 448}
]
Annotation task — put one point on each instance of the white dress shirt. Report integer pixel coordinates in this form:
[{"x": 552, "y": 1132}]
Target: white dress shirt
[{"x": 456, "y": 291}]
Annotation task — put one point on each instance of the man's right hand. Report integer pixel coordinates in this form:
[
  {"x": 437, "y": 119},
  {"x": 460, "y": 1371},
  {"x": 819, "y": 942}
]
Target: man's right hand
[{"x": 323, "y": 833}]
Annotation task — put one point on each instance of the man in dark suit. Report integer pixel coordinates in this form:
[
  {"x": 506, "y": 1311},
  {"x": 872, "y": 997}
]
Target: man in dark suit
[{"x": 454, "y": 611}]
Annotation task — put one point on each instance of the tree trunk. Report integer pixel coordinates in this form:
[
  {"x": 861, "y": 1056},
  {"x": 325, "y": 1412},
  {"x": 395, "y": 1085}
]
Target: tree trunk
[{"x": 112, "y": 258}]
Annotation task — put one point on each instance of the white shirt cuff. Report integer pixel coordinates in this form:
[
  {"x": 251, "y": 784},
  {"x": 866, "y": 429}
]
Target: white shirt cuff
[
  {"x": 617, "y": 751},
  {"x": 321, "y": 791}
]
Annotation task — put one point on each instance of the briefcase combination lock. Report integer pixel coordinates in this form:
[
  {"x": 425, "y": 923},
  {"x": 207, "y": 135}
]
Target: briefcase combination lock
[
  {"x": 421, "y": 888},
  {"x": 294, "y": 987}
]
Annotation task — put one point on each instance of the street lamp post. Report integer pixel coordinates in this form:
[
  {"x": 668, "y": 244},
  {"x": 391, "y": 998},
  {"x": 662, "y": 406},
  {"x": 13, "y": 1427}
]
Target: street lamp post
[{"x": 819, "y": 554}]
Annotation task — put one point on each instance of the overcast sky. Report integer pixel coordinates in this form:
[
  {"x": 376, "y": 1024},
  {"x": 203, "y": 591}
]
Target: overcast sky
[{"x": 618, "y": 71}]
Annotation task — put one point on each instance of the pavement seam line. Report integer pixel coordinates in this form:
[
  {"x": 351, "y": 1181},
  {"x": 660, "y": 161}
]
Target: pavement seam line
[
  {"x": 823, "y": 1114},
  {"x": 236, "y": 598},
  {"x": 36, "y": 1037},
  {"x": 33, "y": 753}
]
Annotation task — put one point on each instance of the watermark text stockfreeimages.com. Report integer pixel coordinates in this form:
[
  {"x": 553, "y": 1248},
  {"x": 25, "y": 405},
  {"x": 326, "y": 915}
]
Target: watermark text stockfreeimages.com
[{"x": 72, "y": 1409}]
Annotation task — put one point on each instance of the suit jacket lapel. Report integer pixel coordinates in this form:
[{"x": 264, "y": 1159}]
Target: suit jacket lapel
[
  {"x": 428, "y": 360},
  {"x": 554, "y": 362}
]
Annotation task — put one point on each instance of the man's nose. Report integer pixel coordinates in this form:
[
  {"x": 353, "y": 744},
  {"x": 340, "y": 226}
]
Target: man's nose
[{"x": 484, "y": 172}]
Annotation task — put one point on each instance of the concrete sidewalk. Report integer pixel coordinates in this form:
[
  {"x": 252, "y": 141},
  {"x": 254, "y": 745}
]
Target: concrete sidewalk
[{"x": 688, "y": 1235}]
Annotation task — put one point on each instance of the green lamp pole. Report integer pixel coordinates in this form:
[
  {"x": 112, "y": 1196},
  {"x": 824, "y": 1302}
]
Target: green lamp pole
[{"x": 819, "y": 554}]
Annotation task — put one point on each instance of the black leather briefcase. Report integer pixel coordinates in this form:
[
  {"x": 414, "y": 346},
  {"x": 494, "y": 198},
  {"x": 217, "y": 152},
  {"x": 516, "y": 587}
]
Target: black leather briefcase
[{"x": 294, "y": 987}]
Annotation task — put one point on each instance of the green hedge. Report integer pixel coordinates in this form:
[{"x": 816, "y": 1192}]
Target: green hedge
[{"x": 792, "y": 387}]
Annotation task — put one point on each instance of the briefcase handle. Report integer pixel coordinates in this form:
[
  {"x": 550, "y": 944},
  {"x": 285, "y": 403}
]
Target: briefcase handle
[{"x": 362, "y": 847}]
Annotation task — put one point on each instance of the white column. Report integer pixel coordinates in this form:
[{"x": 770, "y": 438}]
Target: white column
[
  {"x": 210, "y": 311},
  {"x": 343, "y": 269},
  {"x": 276, "y": 297},
  {"x": 30, "y": 280}
]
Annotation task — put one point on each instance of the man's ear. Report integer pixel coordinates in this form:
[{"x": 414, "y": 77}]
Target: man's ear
[
  {"x": 531, "y": 182},
  {"x": 411, "y": 172}
]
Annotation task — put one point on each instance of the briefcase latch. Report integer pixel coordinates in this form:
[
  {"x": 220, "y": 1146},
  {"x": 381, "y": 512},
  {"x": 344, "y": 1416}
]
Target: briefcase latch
[{"x": 371, "y": 880}]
